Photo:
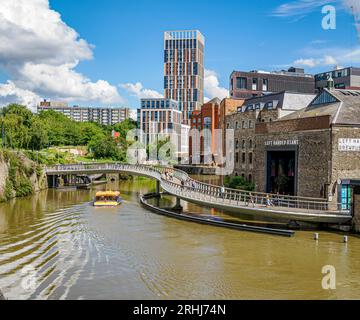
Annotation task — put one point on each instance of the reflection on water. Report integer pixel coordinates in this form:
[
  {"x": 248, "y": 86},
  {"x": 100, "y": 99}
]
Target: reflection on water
[{"x": 55, "y": 245}]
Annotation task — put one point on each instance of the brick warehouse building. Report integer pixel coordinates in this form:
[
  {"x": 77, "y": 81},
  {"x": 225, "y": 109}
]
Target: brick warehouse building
[
  {"x": 204, "y": 139},
  {"x": 314, "y": 152},
  {"x": 256, "y": 110}
]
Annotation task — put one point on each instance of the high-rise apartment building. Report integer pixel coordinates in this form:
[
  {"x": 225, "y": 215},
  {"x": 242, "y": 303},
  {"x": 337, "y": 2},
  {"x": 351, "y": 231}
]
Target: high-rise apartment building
[
  {"x": 184, "y": 70},
  {"x": 103, "y": 116},
  {"x": 159, "y": 119}
]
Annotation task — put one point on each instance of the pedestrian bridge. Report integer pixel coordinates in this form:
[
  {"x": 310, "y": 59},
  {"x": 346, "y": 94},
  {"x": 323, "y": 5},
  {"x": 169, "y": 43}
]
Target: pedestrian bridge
[{"x": 181, "y": 185}]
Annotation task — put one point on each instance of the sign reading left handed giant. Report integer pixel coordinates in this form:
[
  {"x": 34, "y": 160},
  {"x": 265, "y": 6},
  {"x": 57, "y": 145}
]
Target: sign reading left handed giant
[{"x": 349, "y": 145}]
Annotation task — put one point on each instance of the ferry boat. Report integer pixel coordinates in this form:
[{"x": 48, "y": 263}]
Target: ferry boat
[{"x": 107, "y": 199}]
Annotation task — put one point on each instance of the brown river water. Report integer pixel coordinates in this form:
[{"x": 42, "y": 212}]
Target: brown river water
[{"x": 56, "y": 245}]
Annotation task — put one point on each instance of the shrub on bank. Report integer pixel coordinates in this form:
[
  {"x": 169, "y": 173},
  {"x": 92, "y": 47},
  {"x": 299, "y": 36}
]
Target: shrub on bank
[{"x": 239, "y": 183}]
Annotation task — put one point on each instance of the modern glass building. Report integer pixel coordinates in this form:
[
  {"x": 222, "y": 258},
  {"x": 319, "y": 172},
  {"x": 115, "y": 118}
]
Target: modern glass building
[
  {"x": 184, "y": 70},
  {"x": 158, "y": 119}
]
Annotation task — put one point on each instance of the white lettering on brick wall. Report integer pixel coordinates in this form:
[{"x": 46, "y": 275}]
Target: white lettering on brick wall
[
  {"x": 282, "y": 143},
  {"x": 349, "y": 145}
]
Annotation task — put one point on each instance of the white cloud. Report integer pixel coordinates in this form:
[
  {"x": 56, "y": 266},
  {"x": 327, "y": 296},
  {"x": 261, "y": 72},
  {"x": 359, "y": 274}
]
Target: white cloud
[
  {"x": 300, "y": 7},
  {"x": 9, "y": 93},
  {"x": 138, "y": 90},
  {"x": 212, "y": 86},
  {"x": 329, "y": 57},
  {"x": 64, "y": 83},
  {"x": 354, "y": 7},
  {"x": 327, "y": 60},
  {"x": 311, "y": 63},
  {"x": 40, "y": 54},
  {"x": 303, "y": 7}
]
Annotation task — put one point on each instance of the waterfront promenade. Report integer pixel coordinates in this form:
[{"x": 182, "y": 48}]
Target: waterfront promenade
[{"x": 181, "y": 185}]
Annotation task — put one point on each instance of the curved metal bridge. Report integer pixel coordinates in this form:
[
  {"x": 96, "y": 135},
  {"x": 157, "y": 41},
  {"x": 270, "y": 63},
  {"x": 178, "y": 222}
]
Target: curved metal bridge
[{"x": 179, "y": 184}]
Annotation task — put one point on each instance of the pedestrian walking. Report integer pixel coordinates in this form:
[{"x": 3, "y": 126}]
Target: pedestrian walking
[
  {"x": 251, "y": 200},
  {"x": 269, "y": 202}
]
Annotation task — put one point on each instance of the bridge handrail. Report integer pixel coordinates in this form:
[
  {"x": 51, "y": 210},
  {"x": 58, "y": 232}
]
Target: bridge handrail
[
  {"x": 217, "y": 192},
  {"x": 245, "y": 199}
]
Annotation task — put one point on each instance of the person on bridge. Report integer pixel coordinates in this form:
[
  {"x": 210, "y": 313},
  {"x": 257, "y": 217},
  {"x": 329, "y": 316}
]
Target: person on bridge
[
  {"x": 269, "y": 202},
  {"x": 251, "y": 200},
  {"x": 223, "y": 192}
]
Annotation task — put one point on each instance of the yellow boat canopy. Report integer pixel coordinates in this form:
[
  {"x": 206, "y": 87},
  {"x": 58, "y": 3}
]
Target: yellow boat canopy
[{"x": 108, "y": 194}]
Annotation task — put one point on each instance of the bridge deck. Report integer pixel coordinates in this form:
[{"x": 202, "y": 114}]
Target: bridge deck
[{"x": 178, "y": 183}]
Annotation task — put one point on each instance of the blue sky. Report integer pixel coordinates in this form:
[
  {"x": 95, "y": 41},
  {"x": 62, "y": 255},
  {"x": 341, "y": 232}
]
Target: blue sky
[{"x": 126, "y": 40}]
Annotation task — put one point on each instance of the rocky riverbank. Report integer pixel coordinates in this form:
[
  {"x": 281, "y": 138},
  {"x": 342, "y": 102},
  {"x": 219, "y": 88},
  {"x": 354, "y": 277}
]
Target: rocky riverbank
[{"x": 19, "y": 176}]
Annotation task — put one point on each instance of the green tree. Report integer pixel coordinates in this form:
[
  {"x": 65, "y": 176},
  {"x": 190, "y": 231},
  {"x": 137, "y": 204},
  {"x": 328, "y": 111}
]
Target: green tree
[
  {"x": 16, "y": 133},
  {"x": 24, "y": 113},
  {"x": 105, "y": 147},
  {"x": 239, "y": 183},
  {"x": 88, "y": 130},
  {"x": 38, "y": 134}
]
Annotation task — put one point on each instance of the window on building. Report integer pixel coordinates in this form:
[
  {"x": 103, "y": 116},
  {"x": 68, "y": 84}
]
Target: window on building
[
  {"x": 237, "y": 157},
  {"x": 250, "y": 178},
  {"x": 324, "y": 98},
  {"x": 265, "y": 84},
  {"x": 340, "y": 86},
  {"x": 243, "y": 157},
  {"x": 250, "y": 158},
  {"x": 243, "y": 124},
  {"x": 241, "y": 83},
  {"x": 195, "y": 69},
  {"x": 237, "y": 125},
  {"x": 345, "y": 197},
  {"x": 237, "y": 144},
  {"x": 250, "y": 144},
  {"x": 243, "y": 144},
  {"x": 254, "y": 83},
  {"x": 195, "y": 95},
  {"x": 251, "y": 125}
]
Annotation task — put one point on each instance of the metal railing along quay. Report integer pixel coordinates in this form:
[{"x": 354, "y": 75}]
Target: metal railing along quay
[{"x": 180, "y": 184}]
